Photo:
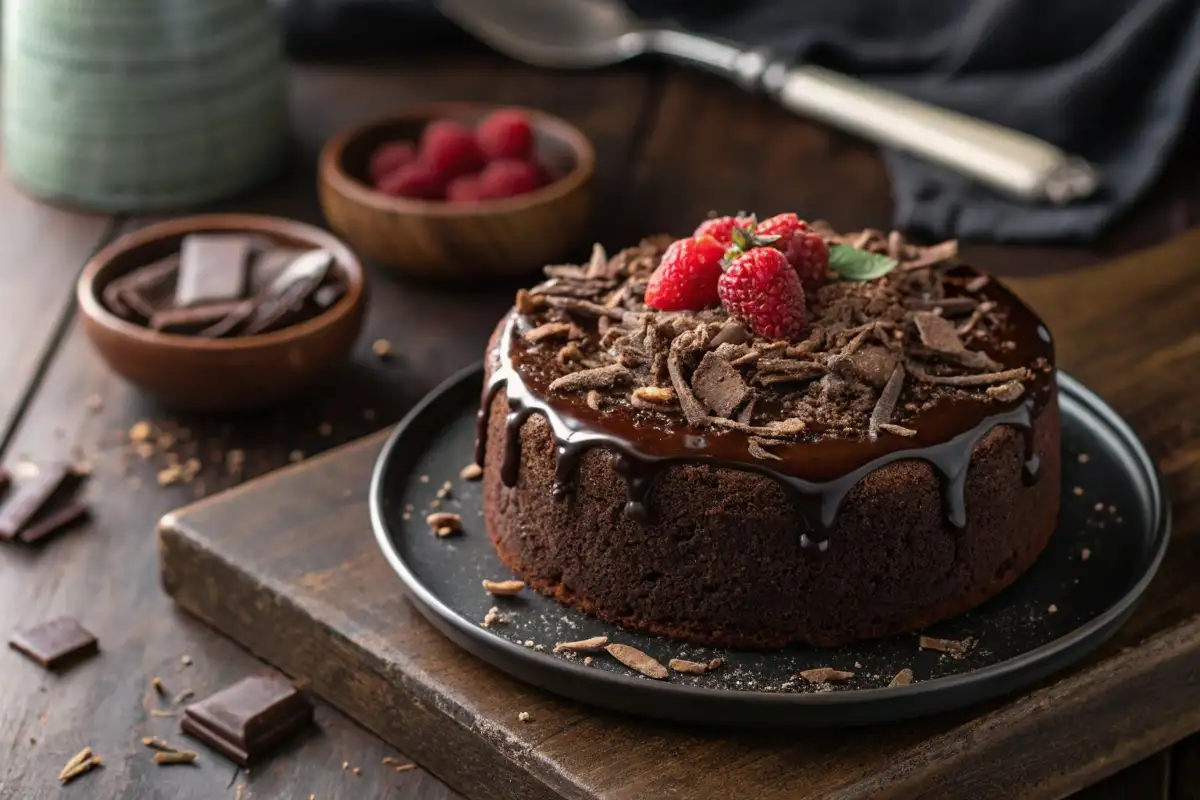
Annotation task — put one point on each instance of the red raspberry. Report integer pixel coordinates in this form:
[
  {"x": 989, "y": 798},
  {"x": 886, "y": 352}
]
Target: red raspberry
[
  {"x": 686, "y": 278},
  {"x": 465, "y": 189},
  {"x": 508, "y": 178},
  {"x": 389, "y": 157},
  {"x": 721, "y": 228},
  {"x": 505, "y": 134},
  {"x": 450, "y": 149},
  {"x": 761, "y": 289},
  {"x": 416, "y": 180},
  {"x": 806, "y": 251}
]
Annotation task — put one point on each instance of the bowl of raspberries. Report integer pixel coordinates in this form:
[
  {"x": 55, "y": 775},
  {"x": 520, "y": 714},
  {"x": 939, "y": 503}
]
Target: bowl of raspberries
[{"x": 449, "y": 190}]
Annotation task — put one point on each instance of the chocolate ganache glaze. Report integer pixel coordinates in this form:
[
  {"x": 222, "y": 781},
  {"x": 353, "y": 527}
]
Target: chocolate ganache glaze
[{"x": 821, "y": 464}]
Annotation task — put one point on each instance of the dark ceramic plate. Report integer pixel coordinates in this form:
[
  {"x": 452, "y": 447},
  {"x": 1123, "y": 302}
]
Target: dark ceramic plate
[{"x": 1064, "y": 607}]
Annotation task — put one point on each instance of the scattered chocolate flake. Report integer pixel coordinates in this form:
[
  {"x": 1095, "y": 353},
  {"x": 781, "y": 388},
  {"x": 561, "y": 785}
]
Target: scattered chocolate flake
[
  {"x": 583, "y": 308},
  {"x": 976, "y": 284},
  {"x": 594, "y": 400},
  {"x": 597, "y": 378},
  {"x": 549, "y": 330},
  {"x": 493, "y": 617},
  {"x": 528, "y": 303},
  {"x": 471, "y": 472},
  {"x": 503, "y": 588},
  {"x": 154, "y": 743},
  {"x": 946, "y": 305},
  {"x": 732, "y": 332},
  {"x": 637, "y": 660},
  {"x": 1006, "y": 392},
  {"x": 898, "y": 430},
  {"x": 929, "y": 256},
  {"x": 693, "y": 409},
  {"x": 825, "y": 675},
  {"x": 903, "y": 678},
  {"x": 591, "y": 645},
  {"x": 785, "y": 370},
  {"x": 756, "y": 447},
  {"x": 569, "y": 353},
  {"x": 937, "y": 333},
  {"x": 444, "y": 523},
  {"x": 951, "y": 647},
  {"x": 714, "y": 664},
  {"x": 688, "y": 667},
  {"x": 886, "y": 404},
  {"x": 82, "y": 762},
  {"x": 175, "y": 757},
  {"x": 718, "y": 385},
  {"x": 986, "y": 379},
  {"x": 525, "y": 716}
]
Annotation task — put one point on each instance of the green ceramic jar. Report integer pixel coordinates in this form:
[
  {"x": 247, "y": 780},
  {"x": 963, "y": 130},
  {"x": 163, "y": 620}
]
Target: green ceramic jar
[{"x": 142, "y": 105}]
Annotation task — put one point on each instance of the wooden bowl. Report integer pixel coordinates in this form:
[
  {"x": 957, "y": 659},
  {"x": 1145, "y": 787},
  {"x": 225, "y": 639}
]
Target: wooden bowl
[
  {"x": 438, "y": 240},
  {"x": 219, "y": 374}
]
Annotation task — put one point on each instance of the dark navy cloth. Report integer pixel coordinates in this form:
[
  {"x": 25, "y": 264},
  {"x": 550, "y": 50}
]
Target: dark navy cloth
[{"x": 1115, "y": 81}]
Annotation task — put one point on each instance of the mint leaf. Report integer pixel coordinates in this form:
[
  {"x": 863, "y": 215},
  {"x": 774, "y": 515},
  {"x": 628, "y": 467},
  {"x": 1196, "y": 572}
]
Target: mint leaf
[{"x": 859, "y": 265}]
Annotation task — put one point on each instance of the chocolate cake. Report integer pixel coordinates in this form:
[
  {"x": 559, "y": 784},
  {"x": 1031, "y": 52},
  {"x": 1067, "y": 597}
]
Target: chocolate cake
[{"x": 676, "y": 472}]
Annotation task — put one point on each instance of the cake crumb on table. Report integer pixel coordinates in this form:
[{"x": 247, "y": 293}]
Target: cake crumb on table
[
  {"x": 1084, "y": 458},
  {"x": 1077, "y": 491},
  {"x": 1053, "y": 609},
  {"x": 1085, "y": 554},
  {"x": 593, "y": 644},
  {"x": 637, "y": 660},
  {"x": 903, "y": 678},
  {"x": 688, "y": 667},
  {"x": 471, "y": 472},
  {"x": 525, "y": 716}
]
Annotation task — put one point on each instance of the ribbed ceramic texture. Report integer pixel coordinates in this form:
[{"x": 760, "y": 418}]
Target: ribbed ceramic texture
[{"x": 128, "y": 105}]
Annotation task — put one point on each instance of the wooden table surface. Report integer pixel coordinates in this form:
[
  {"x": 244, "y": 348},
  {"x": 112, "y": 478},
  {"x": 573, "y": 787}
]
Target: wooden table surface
[{"x": 671, "y": 145}]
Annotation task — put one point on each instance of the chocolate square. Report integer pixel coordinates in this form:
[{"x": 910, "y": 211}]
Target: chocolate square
[
  {"x": 31, "y": 496},
  {"x": 55, "y": 644},
  {"x": 212, "y": 268},
  {"x": 247, "y": 719}
]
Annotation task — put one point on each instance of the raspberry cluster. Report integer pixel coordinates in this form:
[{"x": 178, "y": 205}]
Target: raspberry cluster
[
  {"x": 453, "y": 163},
  {"x": 758, "y": 271}
]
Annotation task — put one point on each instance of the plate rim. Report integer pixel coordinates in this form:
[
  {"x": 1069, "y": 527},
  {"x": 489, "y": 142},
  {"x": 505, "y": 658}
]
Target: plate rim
[{"x": 1076, "y": 643}]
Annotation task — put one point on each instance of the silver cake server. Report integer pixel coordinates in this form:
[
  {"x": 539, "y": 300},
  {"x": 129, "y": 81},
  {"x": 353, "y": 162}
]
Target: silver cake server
[{"x": 578, "y": 34}]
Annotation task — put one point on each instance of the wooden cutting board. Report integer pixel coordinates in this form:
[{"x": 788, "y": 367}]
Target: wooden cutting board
[{"x": 287, "y": 566}]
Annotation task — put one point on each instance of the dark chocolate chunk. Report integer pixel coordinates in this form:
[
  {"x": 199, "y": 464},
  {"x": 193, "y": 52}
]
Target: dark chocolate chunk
[
  {"x": 886, "y": 404},
  {"x": 249, "y": 718},
  {"x": 212, "y": 268},
  {"x": 872, "y": 364},
  {"x": 718, "y": 385},
  {"x": 279, "y": 303},
  {"x": 53, "y": 521},
  {"x": 200, "y": 320},
  {"x": 30, "y": 497},
  {"x": 55, "y": 644},
  {"x": 598, "y": 378}
]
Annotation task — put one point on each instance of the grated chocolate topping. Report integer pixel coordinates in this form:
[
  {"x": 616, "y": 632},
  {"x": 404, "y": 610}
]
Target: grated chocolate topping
[{"x": 877, "y": 354}]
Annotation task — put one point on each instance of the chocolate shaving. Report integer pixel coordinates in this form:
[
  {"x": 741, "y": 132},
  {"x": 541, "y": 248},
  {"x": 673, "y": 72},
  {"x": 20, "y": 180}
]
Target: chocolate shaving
[
  {"x": 777, "y": 430},
  {"x": 814, "y": 342},
  {"x": 569, "y": 353},
  {"x": 594, "y": 400},
  {"x": 986, "y": 379},
  {"x": 977, "y": 283},
  {"x": 951, "y": 647},
  {"x": 598, "y": 264},
  {"x": 757, "y": 448},
  {"x": 929, "y": 256},
  {"x": 898, "y": 430},
  {"x": 637, "y": 660},
  {"x": 597, "y": 378},
  {"x": 886, "y": 404},
  {"x": 592, "y": 645},
  {"x": 732, "y": 332},
  {"x": 586, "y": 308},
  {"x": 718, "y": 385},
  {"x": 550, "y": 330},
  {"x": 937, "y": 333},
  {"x": 948, "y": 305},
  {"x": 652, "y": 397},
  {"x": 693, "y": 409},
  {"x": 688, "y": 667},
  {"x": 903, "y": 678},
  {"x": 895, "y": 245},
  {"x": 528, "y": 303},
  {"x": 825, "y": 675},
  {"x": 746, "y": 415},
  {"x": 566, "y": 272},
  {"x": 505, "y": 588},
  {"x": 1006, "y": 392},
  {"x": 749, "y": 357}
]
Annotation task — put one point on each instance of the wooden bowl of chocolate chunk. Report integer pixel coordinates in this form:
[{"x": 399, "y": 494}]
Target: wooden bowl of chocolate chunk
[{"x": 223, "y": 311}]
